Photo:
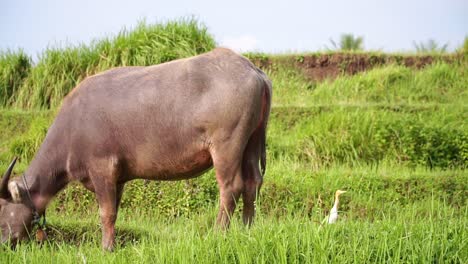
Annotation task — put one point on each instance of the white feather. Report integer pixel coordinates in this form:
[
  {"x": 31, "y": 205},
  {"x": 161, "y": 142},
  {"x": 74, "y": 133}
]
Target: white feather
[
  {"x": 333, "y": 215},
  {"x": 334, "y": 211}
]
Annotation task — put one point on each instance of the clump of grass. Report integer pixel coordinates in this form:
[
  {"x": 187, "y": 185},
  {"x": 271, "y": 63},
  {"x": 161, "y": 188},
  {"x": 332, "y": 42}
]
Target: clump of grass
[
  {"x": 14, "y": 68},
  {"x": 60, "y": 69}
]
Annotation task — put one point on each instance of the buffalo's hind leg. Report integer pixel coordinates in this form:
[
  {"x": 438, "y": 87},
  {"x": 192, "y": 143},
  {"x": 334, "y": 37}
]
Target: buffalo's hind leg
[
  {"x": 252, "y": 177},
  {"x": 227, "y": 164}
]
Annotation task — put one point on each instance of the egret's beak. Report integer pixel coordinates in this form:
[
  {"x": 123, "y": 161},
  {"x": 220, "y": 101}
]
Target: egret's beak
[{"x": 341, "y": 192}]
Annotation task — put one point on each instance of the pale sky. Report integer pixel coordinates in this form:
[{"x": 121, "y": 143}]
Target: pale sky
[{"x": 244, "y": 25}]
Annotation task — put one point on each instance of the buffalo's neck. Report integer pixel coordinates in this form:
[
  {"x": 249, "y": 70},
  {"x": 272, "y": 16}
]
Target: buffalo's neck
[{"x": 45, "y": 177}]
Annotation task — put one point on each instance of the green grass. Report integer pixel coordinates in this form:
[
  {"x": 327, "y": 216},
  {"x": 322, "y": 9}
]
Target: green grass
[
  {"x": 287, "y": 240},
  {"x": 322, "y": 136},
  {"x": 437, "y": 83},
  {"x": 14, "y": 68},
  {"x": 395, "y": 138},
  {"x": 392, "y": 225},
  {"x": 59, "y": 69}
]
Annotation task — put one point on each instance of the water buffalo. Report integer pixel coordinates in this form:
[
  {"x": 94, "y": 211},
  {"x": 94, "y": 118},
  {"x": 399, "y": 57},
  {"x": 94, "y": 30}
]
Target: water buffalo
[{"x": 171, "y": 121}]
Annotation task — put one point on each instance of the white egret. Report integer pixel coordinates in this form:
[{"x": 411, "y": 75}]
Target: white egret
[{"x": 334, "y": 211}]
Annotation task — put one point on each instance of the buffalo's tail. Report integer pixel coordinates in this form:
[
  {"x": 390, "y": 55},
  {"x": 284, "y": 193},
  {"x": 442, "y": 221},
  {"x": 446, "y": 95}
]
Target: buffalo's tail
[{"x": 263, "y": 133}]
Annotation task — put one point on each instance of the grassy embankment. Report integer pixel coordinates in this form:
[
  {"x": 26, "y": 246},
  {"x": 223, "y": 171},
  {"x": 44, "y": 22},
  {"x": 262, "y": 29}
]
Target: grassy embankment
[{"x": 394, "y": 137}]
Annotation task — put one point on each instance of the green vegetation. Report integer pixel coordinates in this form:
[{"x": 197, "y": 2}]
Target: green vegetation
[
  {"x": 395, "y": 85},
  {"x": 59, "y": 70},
  {"x": 394, "y": 137},
  {"x": 14, "y": 68},
  {"x": 438, "y": 238},
  {"x": 348, "y": 42},
  {"x": 391, "y": 85},
  {"x": 430, "y": 46},
  {"x": 464, "y": 48}
]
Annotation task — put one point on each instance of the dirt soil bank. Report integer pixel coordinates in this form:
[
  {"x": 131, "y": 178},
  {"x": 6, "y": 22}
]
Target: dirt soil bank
[{"x": 318, "y": 67}]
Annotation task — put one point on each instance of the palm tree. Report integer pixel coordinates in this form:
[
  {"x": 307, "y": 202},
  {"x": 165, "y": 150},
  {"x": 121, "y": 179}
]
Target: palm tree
[
  {"x": 348, "y": 42},
  {"x": 430, "y": 46}
]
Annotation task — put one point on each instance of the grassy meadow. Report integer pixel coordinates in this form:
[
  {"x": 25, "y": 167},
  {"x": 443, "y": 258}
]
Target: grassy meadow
[{"x": 396, "y": 138}]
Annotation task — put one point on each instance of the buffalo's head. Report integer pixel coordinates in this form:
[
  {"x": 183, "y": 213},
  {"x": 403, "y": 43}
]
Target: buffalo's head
[{"x": 15, "y": 216}]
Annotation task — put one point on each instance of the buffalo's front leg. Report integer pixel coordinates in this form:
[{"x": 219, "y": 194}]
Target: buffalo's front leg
[
  {"x": 108, "y": 194},
  {"x": 107, "y": 199}
]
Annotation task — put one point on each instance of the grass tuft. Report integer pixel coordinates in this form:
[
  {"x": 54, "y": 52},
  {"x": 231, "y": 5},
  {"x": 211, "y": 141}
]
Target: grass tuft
[{"x": 14, "y": 68}]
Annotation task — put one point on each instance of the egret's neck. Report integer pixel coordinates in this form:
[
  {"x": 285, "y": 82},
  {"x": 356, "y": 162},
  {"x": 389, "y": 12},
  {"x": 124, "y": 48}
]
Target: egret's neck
[{"x": 337, "y": 201}]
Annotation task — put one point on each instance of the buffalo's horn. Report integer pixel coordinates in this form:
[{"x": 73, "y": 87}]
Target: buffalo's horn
[{"x": 6, "y": 177}]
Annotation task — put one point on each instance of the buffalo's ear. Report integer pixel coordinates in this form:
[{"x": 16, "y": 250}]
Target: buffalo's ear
[{"x": 14, "y": 191}]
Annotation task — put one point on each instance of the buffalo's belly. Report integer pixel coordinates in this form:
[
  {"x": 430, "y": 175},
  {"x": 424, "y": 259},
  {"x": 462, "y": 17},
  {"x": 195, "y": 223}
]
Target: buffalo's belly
[{"x": 173, "y": 168}]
